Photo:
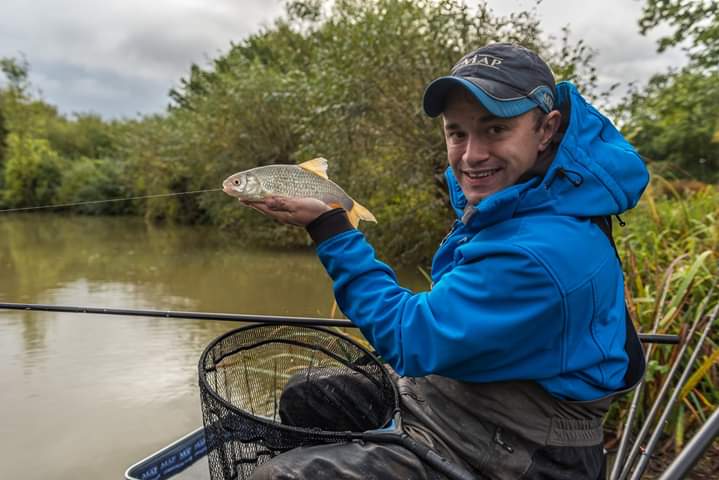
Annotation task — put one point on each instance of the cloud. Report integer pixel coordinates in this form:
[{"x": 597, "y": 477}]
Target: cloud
[
  {"x": 97, "y": 90},
  {"x": 609, "y": 27},
  {"x": 118, "y": 58}
]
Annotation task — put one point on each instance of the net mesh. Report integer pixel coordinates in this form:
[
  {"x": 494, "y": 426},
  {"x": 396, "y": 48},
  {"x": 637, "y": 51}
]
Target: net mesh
[{"x": 263, "y": 389}]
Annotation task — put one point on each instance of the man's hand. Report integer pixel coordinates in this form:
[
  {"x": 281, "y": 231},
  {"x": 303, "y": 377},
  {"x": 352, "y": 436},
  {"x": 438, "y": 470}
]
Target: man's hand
[{"x": 294, "y": 211}]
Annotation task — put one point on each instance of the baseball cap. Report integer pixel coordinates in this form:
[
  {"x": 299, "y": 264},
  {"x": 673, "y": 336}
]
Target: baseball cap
[{"x": 507, "y": 79}]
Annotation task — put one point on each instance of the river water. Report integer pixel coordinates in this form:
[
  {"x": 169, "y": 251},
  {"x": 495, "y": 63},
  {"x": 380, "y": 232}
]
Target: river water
[{"x": 86, "y": 396}]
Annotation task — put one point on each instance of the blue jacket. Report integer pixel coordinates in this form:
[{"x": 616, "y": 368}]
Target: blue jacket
[{"x": 526, "y": 289}]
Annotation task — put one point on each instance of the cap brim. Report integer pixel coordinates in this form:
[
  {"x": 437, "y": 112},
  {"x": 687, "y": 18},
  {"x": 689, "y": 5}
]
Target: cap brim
[{"x": 436, "y": 94}]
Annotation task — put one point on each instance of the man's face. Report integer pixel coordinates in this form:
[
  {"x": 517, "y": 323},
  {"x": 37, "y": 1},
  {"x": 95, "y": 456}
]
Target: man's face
[{"x": 488, "y": 153}]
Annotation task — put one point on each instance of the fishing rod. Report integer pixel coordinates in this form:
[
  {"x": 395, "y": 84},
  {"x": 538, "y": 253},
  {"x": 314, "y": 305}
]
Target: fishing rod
[
  {"x": 231, "y": 317},
  {"x": 648, "y": 450},
  {"x": 634, "y": 406},
  {"x": 234, "y": 317},
  {"x": 693, "y": 451},
  {"x": 627, "y": 465},
  {"x": 110, "y": 200}
]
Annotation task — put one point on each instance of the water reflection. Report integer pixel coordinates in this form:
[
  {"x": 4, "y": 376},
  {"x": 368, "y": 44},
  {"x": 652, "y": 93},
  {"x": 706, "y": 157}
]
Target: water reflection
[
  {"x": 175, "y": 266},
  {"x": 89, "y": 394}
]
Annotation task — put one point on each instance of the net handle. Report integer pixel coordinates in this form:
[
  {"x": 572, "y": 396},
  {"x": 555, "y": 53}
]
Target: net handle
[{"x": 396, "y": 436}]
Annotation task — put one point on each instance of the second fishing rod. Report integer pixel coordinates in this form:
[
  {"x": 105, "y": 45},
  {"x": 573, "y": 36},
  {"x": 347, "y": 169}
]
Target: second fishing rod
[{"x": 234, "y": 317}]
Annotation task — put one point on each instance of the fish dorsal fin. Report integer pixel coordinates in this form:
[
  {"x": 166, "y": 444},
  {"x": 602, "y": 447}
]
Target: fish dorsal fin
[{"x": 318, "y": 166}]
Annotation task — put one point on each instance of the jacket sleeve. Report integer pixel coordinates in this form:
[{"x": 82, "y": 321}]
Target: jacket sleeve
[{"x": 496, "y": 318}]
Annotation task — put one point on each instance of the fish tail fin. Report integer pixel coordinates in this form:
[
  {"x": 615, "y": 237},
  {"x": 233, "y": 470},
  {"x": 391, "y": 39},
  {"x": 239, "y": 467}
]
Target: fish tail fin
[{"x": 358, "y": 213}]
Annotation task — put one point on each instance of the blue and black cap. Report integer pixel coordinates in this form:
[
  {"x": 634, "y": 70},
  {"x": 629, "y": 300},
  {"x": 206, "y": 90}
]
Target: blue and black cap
[{"x": 507, "y": 79}]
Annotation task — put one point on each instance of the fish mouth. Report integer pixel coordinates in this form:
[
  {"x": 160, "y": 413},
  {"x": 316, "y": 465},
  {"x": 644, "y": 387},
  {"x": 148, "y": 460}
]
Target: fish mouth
[{"x": 229, "y": 189}]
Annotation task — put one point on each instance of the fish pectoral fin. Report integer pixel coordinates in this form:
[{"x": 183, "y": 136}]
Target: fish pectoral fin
[
  {"x": 334, "y": 205},
  {"x": 353, "y": 218},
  {"x": 358, "y": 213},
  {"x": 318, "y": 166},
  {"x": 363, "y": 213}
]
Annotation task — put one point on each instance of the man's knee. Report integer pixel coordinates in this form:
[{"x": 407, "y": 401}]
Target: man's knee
[
  {"x": 303, "y": 463},
  {"x": 333, "y": 402},
  {"x": 272, "y": 470},
  {"x": 349, "y": 461}
]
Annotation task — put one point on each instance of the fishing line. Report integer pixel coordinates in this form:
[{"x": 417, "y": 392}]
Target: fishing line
[{"x": 93, "y": 202}]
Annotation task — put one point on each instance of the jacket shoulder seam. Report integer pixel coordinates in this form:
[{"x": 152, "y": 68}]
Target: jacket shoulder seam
[{"x": 590, "y": 275}]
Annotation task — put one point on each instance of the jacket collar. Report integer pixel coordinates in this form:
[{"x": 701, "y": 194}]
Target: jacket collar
[{"x": 495, "y": 208}]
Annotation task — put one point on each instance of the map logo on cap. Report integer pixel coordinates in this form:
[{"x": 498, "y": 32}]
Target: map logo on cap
[{"x": 507, "y": 79}]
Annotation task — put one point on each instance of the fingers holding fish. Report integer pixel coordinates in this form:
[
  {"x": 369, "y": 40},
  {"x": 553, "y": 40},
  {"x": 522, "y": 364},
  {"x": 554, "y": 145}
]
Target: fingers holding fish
[
  {"x": 251, "y": 204},
  {"x": 294, "y": 211}
]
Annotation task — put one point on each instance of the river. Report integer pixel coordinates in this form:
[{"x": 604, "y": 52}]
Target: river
[{"x": 86, "y": 396}]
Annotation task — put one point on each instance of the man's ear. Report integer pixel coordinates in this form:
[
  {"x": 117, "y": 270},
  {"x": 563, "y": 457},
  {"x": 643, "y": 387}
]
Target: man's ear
[{"x": 549, "y": 128}]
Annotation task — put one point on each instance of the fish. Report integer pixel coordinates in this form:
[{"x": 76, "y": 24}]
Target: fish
[{"x": 305, "y": 180}]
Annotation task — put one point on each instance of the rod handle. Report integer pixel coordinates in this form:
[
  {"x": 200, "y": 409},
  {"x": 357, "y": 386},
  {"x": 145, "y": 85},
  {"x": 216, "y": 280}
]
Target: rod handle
[{"x": 659, "y": 338}]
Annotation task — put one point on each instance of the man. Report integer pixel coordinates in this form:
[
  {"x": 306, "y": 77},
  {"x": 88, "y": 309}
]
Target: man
[{"x": 508, "y": 364}]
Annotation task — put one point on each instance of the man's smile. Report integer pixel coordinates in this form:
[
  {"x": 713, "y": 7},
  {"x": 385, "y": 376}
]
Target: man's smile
[{"x": 477, "y": 174}]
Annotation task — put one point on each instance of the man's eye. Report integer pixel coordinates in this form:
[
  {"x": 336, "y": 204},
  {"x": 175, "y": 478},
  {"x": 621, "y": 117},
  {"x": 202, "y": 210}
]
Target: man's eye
[
  {"x": 496, "y": 129},
  {"x": 455, "y": 135}
]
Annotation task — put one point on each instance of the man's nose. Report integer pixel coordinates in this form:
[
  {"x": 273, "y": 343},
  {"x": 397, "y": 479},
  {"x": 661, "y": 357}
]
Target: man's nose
[{"x": 476, "y": 151}]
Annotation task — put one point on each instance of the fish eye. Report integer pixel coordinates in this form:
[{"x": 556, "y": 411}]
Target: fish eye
[{"x": 236, "y": 181}]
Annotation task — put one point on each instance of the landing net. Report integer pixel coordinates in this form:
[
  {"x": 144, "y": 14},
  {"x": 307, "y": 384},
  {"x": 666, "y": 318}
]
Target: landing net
[{"x": 264, "y": 387}]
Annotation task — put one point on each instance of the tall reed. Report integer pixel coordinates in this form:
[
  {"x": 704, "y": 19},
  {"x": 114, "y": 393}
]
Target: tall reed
[{"x": 670, "y": 249}]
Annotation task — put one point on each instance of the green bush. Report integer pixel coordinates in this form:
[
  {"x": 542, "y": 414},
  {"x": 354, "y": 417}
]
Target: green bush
[
  {"x": 87, "y": 180},
  {"x": 32, "y": 172}
]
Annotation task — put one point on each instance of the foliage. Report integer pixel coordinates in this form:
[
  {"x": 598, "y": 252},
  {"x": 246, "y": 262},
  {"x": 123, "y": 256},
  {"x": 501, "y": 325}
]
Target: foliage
[
  {"x": 22, "y": 113},
  {"x": 673, "y": 121},
  {"x": 86, "y": 135},
  {"x": 3, "y": 134},
  {"x": 39, "y": 147},
  {"x": 693, "y": 21},
  {"x": 670, "y": 249},
  {"x": 16, "y": 72},
  {"x": 89, "y": 179},
  {"x": 32, "y": 172}
]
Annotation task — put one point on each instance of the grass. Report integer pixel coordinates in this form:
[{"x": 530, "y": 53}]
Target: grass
[{"x": 670, "y": 249}]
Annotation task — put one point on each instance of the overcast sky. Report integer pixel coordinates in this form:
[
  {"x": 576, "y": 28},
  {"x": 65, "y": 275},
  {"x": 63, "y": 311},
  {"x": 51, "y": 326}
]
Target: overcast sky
[{"x": 119, "y": 58}]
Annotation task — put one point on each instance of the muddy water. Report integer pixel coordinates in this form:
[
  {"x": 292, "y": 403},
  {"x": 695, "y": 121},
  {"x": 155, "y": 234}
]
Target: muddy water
[{"x": 85, "y": 396}]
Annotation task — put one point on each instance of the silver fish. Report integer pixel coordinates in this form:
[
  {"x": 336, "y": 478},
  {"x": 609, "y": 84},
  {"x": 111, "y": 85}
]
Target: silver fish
[{"x": 308, "y": 179}]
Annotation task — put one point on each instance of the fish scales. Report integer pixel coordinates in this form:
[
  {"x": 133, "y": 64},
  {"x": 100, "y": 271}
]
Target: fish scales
[{"x": 293, "y": 181}]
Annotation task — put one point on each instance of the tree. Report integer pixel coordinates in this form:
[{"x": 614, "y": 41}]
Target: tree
[
  {"x": 91, "y": 179},
  {"x": 32, "y": 172},
  {"x": 86, "y": 135},
  {"x": 693, "y": 21},
  {"x": 672, "y": 123},
  {"x": 3, "y": 135},
  {"x": 17, "y": 73},
  {"x": 674, "y": 120}
]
